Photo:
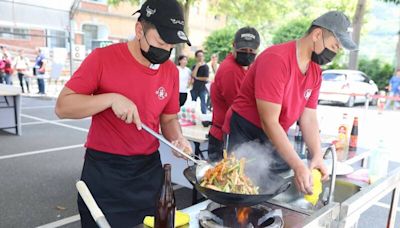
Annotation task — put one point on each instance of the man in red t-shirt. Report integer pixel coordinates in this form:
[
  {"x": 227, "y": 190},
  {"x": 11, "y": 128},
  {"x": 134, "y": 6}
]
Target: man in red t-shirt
[
  {"x": 227, "y": 82},
  {"x": 122, "y": 86},
  {"x": 281, "y": 87}
]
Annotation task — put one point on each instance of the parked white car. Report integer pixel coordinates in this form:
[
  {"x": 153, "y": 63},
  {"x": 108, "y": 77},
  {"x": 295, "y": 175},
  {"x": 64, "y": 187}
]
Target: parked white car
[{"x": 347, "y": 87}]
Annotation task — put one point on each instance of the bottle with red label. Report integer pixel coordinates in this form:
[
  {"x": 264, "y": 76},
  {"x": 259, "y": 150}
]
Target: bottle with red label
[
  {"x": 354, "y": 136},
  {"x": 342, "y": 144}
]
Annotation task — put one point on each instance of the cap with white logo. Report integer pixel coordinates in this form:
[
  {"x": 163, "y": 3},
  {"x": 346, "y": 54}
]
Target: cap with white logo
[
  {"x": 339, "y": 24},
  {"x": 247, "y": 37},
  {"x": 167, "y": 17}
]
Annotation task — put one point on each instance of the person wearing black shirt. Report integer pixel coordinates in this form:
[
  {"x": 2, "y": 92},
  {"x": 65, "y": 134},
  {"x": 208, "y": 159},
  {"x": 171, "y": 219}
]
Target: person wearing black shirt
[{"x": 200, "y": 73}]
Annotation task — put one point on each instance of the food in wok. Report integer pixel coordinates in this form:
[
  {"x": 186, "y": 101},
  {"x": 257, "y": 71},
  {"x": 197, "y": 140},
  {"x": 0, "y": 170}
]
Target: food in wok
[{"x": 228, "y": 176}]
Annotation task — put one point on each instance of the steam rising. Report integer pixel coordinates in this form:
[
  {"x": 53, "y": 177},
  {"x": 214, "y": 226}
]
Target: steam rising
[{"x": 258, "y": 163}]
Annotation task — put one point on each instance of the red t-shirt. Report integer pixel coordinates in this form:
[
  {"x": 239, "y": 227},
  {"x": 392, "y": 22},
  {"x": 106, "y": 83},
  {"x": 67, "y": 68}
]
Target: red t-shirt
[
  {"x": 224, "y": 90},
  {"x": 114, "y": 70},
  {"x": 275, "y": 77}
]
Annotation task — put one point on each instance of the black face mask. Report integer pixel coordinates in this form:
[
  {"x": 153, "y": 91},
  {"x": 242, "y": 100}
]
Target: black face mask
[
  {"x": 244, "y": 58},
  {"x": 155, "y": 55},
  {"x": 324, "y": 57}
]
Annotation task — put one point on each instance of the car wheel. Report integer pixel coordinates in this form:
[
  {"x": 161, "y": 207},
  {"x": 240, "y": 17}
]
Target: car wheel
[{"x": 350, "y": 102}]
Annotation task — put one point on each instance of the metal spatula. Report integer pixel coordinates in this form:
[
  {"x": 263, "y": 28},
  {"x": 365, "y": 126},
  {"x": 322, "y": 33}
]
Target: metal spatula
[{"x": 201, "y": 165}]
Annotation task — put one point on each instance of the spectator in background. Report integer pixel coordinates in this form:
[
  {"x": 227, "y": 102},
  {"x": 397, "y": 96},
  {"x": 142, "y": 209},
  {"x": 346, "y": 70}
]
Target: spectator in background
[
  {"x": 200, "y": 73},
  {"x": 21, "y": 65},
  {"x": 39, "y": 69},
  {"x": 7, "y": 69},
  {"x": 184, "y": 79},
  {"x": 394, "y": 90},
  {"x": 213, "y": 65}
]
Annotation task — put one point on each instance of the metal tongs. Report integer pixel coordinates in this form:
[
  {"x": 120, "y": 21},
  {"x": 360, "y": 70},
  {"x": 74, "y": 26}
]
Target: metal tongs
[{"x": 202, "y": 165}]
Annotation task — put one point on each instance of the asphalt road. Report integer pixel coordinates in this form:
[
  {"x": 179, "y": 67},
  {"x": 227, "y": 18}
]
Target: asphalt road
[{"x": 38, "y": 170}]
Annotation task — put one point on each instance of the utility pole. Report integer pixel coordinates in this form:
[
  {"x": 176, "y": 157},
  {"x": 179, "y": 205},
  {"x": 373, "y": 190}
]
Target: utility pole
[{"x": 72, "y": 11}]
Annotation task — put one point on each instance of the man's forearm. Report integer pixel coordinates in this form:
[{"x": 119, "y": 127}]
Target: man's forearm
[
  {"x": 76, "y": 106},
  {"x": 202, "y": 78},
  {"x": 310, "y": 131},
  {"x": 171, "y": 129},
  {"x": 194, "y": 72}
]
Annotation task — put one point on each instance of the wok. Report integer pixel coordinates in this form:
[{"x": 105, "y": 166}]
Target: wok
[{"x": 267, "y": 190}]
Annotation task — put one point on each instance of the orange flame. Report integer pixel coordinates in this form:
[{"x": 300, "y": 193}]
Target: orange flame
[{"x": 243, "y": 215}]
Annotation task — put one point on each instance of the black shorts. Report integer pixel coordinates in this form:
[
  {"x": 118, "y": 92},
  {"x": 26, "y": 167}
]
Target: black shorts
[
  {"x": 125, "y": 188},
  {"x": 242, "y": 131}
]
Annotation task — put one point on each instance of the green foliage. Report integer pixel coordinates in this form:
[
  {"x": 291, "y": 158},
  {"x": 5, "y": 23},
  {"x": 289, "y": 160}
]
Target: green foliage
[
  {"x": 292, "y": 30},
  {"x": 191, "y": 62},
  {"x": 339, "y": 62},
  {"x": 219, "y": 42},
  {"x": 378, "y": 70},
  {"x": 397, "y": 2},
  {"x": 116, "y": 2}
]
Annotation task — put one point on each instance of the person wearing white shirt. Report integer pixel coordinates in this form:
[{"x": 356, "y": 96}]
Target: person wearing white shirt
[
  {"x": 184, "y": 79},
  {"x": 22, "y": 66}
]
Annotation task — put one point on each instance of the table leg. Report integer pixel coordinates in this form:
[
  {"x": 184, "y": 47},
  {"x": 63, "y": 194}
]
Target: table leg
[
  {"x": 15, "y": 115},
  {"x": 364, "y": 163},
  {"x": 197, "y": 150},
  {"x": 393, "y": 208}
]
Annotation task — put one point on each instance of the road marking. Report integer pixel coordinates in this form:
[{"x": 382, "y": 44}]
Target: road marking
[
  {"x": 55, "y": 123},
  {"x": 38, "y": 107},
  {"x": 61, "y": 222},
  {"x": 40, "y": 151},
  {"x": 384, "y": 205}
]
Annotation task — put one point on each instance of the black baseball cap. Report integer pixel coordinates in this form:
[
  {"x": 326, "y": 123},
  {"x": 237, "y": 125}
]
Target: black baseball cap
[
  {"x": 167, "y": 17},
  {"x": 247, "y": 37},
  {"x": 339, "y": 24}
]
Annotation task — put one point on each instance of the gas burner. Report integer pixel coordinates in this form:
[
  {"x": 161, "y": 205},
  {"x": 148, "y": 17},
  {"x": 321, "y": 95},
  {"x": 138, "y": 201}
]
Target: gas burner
[{"x": 220, "y": 216}]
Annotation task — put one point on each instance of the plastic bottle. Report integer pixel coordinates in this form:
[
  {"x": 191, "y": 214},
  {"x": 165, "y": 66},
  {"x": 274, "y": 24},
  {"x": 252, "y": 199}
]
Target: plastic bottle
[{"x": 378, "y": 162}]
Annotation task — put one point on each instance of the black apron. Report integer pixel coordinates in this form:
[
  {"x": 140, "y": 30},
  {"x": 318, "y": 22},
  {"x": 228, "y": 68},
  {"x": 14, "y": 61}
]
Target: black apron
[
  {"x": 125, "y": 188},
  {"x": 243, "y": 131}
]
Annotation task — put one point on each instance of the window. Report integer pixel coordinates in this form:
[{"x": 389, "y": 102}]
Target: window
[
  {"x": 357, "y": 78},
  {"x": 334, "y": 77},
  {"x": 89, "y": 33},
  {"x": 99, "y": 1},
  {"x": 14, "y": 33},
  {"x": 56, "y": 38}
]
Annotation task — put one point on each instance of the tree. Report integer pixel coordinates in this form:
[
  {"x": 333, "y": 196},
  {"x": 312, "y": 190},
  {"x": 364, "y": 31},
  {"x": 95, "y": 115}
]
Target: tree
[
  {"x": 185, "y": 4},
  {"x": 220, "y": 42},
  {"x": 292, "y": 30},
  {"x": 268, "y": 15},
  {"x": 379, "y": 71},
  {"x": 357, "y": 24}
]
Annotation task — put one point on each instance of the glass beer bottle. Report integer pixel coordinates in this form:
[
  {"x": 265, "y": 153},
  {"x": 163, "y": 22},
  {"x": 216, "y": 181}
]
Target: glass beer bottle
[{"x": 165, "y": 211}]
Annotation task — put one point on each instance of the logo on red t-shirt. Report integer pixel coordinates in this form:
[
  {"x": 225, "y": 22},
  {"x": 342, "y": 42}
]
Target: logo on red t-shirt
[
  {"x": 307, "y": 94},
  {"x": 161, "y": 93}
]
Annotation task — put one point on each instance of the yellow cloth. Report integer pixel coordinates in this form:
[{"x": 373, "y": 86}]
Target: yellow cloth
[
  {"x": 180, "y": 219},
  {"x": 317, "y": 187}
]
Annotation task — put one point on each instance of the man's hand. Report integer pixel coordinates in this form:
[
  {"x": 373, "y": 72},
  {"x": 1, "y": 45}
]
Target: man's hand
[
  {"x": 126, "y": 110},
  {"x": 318, "y": 163},
  {"x": 302, "y": 177},
  {"x": 199, "y": 64},
  {"x": 184, "y": 145}
]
